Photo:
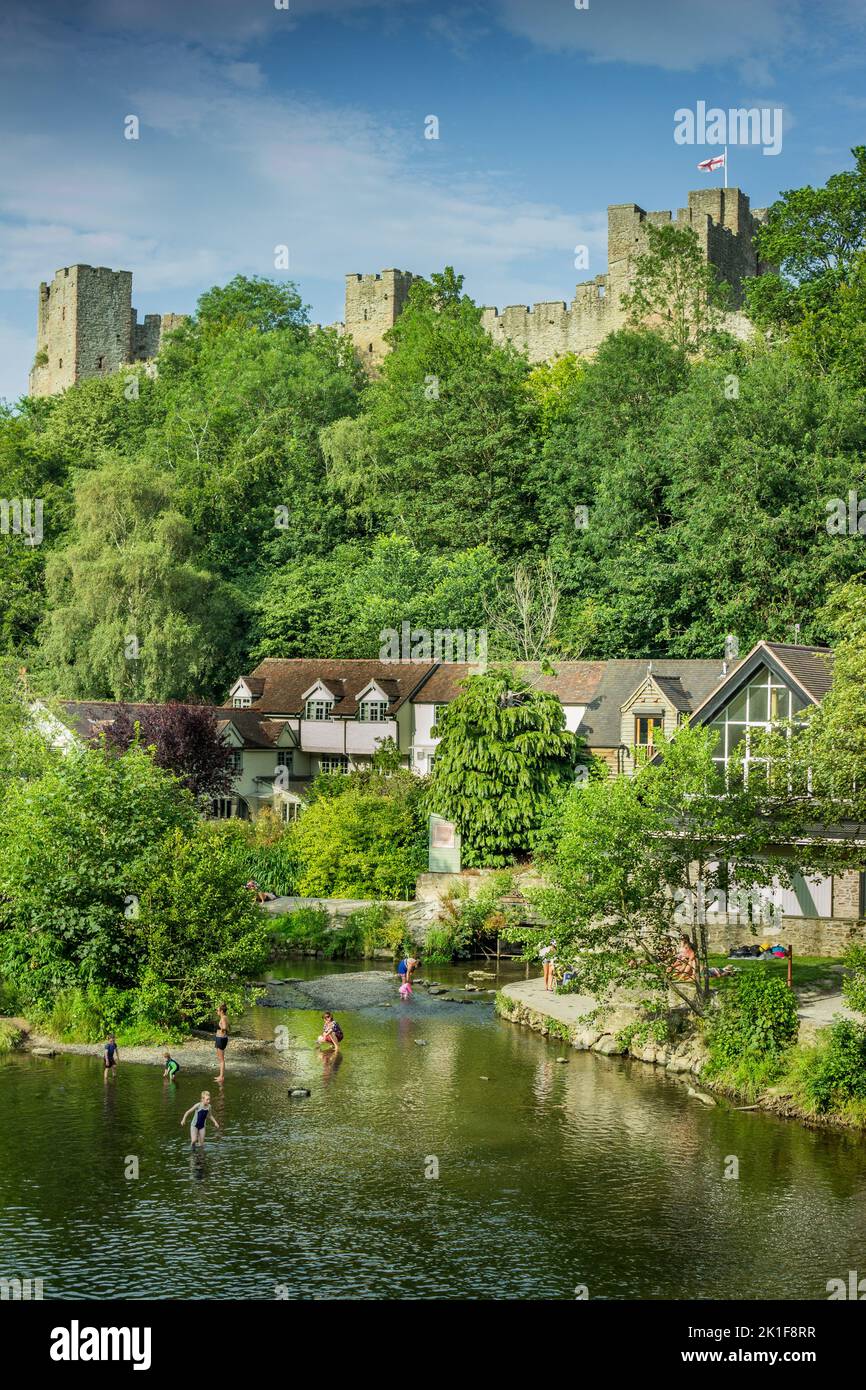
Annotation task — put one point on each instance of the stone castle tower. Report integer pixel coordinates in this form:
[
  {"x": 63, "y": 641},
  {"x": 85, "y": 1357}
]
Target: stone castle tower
[
  {"x": 721, "y": 217},
  {"x": 373, "y": 303},
  {"x": 86, "y": 326}
]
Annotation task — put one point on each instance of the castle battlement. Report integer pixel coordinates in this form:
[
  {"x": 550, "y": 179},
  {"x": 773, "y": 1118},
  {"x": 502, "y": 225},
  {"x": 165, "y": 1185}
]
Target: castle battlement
[
  {"x": 86, "y": 326},
  {"x": 720, "y": 217}
]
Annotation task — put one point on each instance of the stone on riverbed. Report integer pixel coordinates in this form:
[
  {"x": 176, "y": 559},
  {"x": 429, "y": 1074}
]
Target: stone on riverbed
[
  {"x": 299, "y": 1092},
  {"x": 42, "y": 1052}
]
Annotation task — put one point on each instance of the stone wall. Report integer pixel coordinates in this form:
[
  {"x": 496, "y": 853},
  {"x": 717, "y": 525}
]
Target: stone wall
[
  {"x": 373, "y": 304},
  {"x": 86, "y": 327},
  {"x": 809, "y": 936},
  {"x": 721, "y": 218}
]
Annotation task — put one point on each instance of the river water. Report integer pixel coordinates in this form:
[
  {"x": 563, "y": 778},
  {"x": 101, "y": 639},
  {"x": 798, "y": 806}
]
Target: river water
[{"x": 600, "y": 1173}]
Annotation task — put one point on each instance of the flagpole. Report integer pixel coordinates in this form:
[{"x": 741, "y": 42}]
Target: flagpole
[{"x": 726, "y": 166}]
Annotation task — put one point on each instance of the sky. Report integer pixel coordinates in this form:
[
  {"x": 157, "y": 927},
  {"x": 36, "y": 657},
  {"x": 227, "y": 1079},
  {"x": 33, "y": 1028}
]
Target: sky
[{"x": 303, "y": 123}]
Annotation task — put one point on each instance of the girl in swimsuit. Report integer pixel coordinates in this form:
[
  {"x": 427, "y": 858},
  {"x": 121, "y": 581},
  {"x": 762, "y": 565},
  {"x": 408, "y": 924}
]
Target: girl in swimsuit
[
  {"x": 221, "y": 1042},
  {"x": 200, "y": 1115}
]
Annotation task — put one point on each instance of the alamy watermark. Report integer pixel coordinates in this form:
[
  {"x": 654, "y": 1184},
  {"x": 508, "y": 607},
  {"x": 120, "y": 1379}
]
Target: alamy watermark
[
  {"x": 436, "y": 644},
  {"x": 22, "y": 516},
  {"x": 754, "y": 125},
  {"x": 846, "y": 516}
]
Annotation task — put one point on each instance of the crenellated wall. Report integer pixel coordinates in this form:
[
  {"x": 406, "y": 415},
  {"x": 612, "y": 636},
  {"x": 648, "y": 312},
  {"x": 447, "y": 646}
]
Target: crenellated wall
[
  {"x": 721, "y": 218},
  {"x": 86, "y": 326}
]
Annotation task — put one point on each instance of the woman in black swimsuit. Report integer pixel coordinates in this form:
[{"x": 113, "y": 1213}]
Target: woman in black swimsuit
[{"x": 221, "y": 1042}]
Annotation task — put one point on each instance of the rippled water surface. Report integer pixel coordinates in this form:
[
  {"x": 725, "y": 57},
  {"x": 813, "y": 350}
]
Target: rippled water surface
[{"x": 600, "y": 1172}]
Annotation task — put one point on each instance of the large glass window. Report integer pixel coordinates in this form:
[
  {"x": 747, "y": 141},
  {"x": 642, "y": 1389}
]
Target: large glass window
[{"x": 765, "y": 701}]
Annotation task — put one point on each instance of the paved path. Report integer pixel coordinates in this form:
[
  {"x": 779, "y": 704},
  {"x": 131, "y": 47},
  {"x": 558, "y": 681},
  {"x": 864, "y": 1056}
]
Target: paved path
[{"x": 568, "y": 1008}]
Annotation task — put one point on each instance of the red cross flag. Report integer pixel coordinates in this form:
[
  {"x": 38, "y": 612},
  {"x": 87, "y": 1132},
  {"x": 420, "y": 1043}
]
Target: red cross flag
[{"x": 717, "y": 162}]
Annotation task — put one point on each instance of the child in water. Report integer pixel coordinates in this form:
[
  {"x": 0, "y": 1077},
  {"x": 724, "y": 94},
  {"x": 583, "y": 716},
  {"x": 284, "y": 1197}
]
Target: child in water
[
  {"x": 200, "y": 1115},
  {"x": 331, "y": 1032},
  {"x": 110, "y": 1056},
  {"x": 171, "y": 1067}
]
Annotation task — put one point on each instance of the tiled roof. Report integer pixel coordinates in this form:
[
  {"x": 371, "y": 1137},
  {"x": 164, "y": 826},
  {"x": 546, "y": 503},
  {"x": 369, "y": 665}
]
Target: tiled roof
[
  {"x": 811, "y": 667},
  {"x": 284, "y": 682},
  {"x": 575, "y": 682},
  {"x": 88, "y": 717},
  {"x": 692, "y": 680}
]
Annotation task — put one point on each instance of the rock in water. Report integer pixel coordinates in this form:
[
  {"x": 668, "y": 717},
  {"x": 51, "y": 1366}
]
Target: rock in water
[
  {"x": 562, "y": 1059},
  {"x": 700, "y": 1095},
  {"x": 42, "y": 1052},
  {"x": 420, "y": 1042},
  {"x": 299, "y": 1092}
]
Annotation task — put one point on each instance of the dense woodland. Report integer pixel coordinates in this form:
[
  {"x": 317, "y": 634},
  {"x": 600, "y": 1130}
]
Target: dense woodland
[{"x": 258, "y": 496}]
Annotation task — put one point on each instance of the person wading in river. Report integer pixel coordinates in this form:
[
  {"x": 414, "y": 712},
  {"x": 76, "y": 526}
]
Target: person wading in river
[
  {"x": 406, "y": 969},
  {"x": 221, "y": 1042},
  {"x": 200, "y": 1115}
]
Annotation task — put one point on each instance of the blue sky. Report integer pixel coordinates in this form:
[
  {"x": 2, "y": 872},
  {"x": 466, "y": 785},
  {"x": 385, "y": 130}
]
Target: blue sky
[{"x": 304, "y": 126}]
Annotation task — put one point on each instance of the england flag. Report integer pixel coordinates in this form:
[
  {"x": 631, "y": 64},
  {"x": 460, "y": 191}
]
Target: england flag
[{"x": 717, "y": 162}]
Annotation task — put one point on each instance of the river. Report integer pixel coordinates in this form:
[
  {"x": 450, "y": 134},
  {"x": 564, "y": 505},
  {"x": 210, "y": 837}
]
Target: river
[{"x": 600, "y": 1173}]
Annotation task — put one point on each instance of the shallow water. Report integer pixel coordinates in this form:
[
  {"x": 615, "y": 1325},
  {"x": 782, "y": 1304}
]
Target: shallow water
[{"x": 600, "y": 1172}]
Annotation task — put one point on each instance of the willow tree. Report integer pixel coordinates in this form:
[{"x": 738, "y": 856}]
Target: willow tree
[{"x": 504, "y": 756}]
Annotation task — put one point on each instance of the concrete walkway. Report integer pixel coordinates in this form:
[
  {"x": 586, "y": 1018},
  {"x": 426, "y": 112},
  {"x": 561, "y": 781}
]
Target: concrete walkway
[
  {"x": 815, "y": 1007},
  {"x": 568, "y": 1008}
]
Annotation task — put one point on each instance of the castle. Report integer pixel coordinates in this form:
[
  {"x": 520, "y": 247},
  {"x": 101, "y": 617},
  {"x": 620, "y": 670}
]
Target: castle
[
  {"x": 721, "y": 217},
  {"x": 87, "y": 326}
]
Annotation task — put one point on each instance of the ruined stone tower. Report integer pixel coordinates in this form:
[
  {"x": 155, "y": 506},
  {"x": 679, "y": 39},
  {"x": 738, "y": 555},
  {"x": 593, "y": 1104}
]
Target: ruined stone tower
[
  {"x": 721, "y": 218},
  {"x": 373, "y": 304},
  {"x": 86, "y": 326}
]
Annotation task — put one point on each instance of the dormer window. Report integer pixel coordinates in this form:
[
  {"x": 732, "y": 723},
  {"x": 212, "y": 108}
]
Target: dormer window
[
  {"x": 242, "y": 701},
  {"x": 318, "y": 710},
  {"x": 646, "y": 726},
  {"x": 373, "y": 711}
]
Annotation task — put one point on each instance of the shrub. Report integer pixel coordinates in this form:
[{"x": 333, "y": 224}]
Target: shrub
[
  {"x": 756, "y": 1019},
  {"x": 446, "y": 941},
  {"x": 304, "y": 930},
  {"x": 833, "y": 1073}
]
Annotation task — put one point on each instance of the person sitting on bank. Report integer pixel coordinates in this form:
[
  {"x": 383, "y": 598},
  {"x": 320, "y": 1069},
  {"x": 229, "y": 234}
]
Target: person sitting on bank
[
  {"x": 685, "y": 962},
  {"x": 261, "y": 894}
]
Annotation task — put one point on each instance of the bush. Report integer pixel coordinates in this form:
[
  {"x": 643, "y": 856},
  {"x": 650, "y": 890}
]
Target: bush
[
  {"x": 833, "y": 1073},
  {"x": 445, "y": 942},
  {"x": 303, "y": 930},
  {"x": 363, "y": 933},
  {"x": 756, "y": 1020}
]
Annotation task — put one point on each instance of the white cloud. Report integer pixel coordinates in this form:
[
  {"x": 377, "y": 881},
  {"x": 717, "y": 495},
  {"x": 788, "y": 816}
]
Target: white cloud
[
  {"x": 678, "y": 35},
  {"x": 224, "y": 172}
]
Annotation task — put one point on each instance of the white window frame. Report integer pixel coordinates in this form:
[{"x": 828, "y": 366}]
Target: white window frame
[
  {"x": 318, "y": 711},
  {"x": 365, "y": 714},
  {"x": 339, "y": 758}
]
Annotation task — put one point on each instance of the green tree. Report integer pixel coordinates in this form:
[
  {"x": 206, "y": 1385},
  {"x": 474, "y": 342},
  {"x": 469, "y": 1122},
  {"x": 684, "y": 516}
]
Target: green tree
[
  {"x": 132, "y": 614},
  {"x": 202, "y": 935},
  {"x": 449, "y": 426},
  {"x": 675, "y": 289},
  {"x": 816, "y": 237},
  {"x": 252, "y": 301},
  {"x": 636, "y": 861},
  {"x": 362, "y": 836},
  {"x": 504, "y": 754},
  {"x": 77, "y": 847}
]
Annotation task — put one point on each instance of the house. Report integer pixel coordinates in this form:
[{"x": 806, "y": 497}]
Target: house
[{"x": 821, "y": 914}]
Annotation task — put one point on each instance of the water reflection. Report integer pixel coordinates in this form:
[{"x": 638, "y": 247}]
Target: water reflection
[{"x": 600, "y": 1171}]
